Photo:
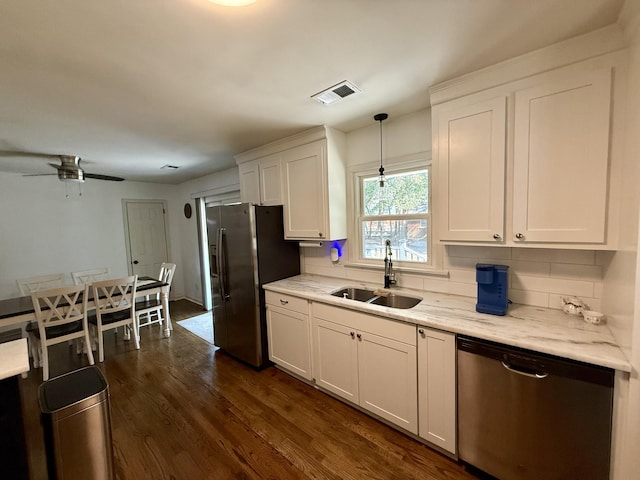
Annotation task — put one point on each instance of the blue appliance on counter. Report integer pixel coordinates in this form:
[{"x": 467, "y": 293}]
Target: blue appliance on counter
[{"x": 492, "y": 288}]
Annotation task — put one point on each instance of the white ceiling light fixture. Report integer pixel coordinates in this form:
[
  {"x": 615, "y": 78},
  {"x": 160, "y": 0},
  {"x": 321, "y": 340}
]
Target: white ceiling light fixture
[
  {"x": 380, "y": 117},
  {"x": 336, "y": 93},
  {"x": 233, "y": 3}
]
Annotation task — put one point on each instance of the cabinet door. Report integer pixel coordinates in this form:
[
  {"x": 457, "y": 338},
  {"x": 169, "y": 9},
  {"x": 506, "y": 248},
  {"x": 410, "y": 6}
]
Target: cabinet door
[
  {"x": 288, "y": 336},
  {"x": 436, "y": 387},
  {"x": 249, "y": 182},
  {"x": 336, "y": 359},
  {"x": 270, "y": 181},
  {"x": 305, "y": 192},
  {"x": 387, "y": 379},
  {"x": 561, "y": 152},
  {"x": 471, "y": 171}
]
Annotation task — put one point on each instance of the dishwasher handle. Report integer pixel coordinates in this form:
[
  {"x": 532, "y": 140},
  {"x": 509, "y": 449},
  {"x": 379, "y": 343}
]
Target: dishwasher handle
[{"x": 537, "y": 375}]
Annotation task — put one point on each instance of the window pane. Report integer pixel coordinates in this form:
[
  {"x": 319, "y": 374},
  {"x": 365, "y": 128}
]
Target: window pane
[
  {"x": 402, "y": 193},
  {"x": 408, "y": 239}
]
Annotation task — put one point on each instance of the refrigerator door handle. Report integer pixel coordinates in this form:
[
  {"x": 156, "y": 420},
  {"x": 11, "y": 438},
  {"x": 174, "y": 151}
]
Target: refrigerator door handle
[{"x": 222, "y": 265}]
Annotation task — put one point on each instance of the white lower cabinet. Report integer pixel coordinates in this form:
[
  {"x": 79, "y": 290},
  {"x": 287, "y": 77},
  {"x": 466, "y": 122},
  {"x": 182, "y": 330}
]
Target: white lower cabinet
[
  {"x": 367, "y": 360},
  {"x": 288, "y": 333},
  {"x": 437, "y": 388}
]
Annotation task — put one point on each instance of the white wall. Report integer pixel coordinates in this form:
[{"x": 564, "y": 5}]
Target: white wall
[
  {"x": 44, "y": 232},
  {"x": 620, "y": 295},
  {"x": 188, "y": 229}
]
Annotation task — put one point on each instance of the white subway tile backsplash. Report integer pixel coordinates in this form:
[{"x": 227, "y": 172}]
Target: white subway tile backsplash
[
  {"x": 582, "y": 257},
  {"x": 459, "y": 262},
  {"x": 478, "y": 253},
  {"x": 409, "y": 281},
  {"x": 553, "y": 285},
  {"x": 532, "y": 254},
  {"x": 583, "y": 272},
  {"x": 537, "y": 276},
  {"x": 521, "y": 267},
  {"x": 463, "y": 276},
  {"x": 538, "y": 299}
]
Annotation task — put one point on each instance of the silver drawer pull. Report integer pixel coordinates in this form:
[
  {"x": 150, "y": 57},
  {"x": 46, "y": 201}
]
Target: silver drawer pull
[{"x": 283, "y": 302}]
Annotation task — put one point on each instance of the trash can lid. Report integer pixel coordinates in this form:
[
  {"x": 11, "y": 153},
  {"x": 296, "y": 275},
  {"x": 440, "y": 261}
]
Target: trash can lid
[{"x": 71, "y": 388}]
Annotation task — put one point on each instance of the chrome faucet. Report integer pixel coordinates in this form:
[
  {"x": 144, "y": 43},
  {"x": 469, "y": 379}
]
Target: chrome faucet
[{"x": 389, "y": 275}]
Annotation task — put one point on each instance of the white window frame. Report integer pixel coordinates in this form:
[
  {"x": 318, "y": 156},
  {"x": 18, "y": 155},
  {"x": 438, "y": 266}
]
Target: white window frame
[{"x": 418, "y": 161}]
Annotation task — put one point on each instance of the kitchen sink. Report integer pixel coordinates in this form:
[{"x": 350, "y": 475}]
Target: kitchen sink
[
  {"x": 392, "y": 300},
  {"x": 396, "y": 301},
  {"x": 353, "y": 293}
]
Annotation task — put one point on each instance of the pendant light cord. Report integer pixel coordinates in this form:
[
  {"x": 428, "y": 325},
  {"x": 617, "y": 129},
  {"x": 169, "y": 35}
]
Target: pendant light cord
[{"x": 379, "y": 118}]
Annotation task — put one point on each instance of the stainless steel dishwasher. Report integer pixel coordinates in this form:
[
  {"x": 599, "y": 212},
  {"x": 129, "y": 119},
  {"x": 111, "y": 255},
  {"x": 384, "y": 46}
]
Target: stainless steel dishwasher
[{"x": 526, "y": 415}]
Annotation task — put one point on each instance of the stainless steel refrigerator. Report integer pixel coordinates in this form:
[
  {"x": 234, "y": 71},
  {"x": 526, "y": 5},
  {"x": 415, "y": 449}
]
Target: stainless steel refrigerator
[{"x": 246, "y": 250}]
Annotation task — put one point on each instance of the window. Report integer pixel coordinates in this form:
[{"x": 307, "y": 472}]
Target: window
[{"x": 398, "y": 212}]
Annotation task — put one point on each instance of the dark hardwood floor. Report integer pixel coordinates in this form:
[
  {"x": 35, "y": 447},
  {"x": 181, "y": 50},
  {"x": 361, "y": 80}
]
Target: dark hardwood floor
[{"x": 181, "y": 410}]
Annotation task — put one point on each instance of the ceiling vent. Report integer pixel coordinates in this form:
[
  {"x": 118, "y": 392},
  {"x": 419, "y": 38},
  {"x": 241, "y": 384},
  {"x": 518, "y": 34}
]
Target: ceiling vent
[{"x": 336, "y": 93}]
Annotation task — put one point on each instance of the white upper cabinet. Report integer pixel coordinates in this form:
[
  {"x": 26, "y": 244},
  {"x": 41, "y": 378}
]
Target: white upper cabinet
[
  {"x": 560, "y": 164},
  {"x": 528, "y": 162},
  {"x": 249, "y": 182},
  {"x": 306, "y": 174},
  {"x": 260, "y": 181},
  {"x": 471, "y": 170}
]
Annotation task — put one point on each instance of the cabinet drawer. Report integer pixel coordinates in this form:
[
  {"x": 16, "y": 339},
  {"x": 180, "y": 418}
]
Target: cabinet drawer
[
  {"x": 385, "y": 327},
  {"x": 288, "y": 302}
]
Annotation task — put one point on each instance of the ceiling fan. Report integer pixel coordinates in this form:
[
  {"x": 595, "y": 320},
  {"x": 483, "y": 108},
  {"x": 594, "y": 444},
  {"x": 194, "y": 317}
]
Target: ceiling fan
[{"x": 69, "y": 169}]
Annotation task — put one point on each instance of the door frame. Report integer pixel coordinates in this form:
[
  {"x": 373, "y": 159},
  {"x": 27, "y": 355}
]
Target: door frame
[{"x": 125, "y": 219}]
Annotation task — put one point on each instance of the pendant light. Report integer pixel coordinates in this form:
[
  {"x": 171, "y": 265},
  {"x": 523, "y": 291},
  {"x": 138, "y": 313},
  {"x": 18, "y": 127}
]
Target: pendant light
[{"x": 380, "y": 117}]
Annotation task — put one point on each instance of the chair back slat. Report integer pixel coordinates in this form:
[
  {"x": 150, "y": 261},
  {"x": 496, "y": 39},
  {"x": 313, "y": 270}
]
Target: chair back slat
[
  {"x": 90, "y": 276},
  {"x": 60, "y": 305},
  {"x": 41, "y": 282},
  {"x": 114, "y": 295},
  {"x": 166, "y": 272}
]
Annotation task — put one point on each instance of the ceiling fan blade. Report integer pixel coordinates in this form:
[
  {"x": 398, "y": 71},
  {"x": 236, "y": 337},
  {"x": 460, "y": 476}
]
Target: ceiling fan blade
[
  {"x": 13, "y": 153},
  {"x": 38, "y": 174},
  {"x": 97, "y": 176}
]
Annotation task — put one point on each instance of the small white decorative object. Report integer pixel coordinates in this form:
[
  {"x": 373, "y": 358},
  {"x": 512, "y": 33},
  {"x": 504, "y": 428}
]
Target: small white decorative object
[
  {"x": 573, "y": 305},
  {"x": 594, "y": 317}
]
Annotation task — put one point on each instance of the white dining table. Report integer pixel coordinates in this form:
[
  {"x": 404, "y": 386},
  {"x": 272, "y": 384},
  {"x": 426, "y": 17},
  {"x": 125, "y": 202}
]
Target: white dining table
[{"x": 19, "y": 310}]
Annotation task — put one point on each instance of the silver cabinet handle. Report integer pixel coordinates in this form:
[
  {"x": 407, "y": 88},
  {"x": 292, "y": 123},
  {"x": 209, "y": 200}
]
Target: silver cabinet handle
[
  {"x": 497, "y": 236},
  {"x": 283, "y": 302},
  {"x": 526, "y": 374},
  {"x": 519, "y": 236},
  {"x": 359, "y": 336},
  {"x": 421, "y": 331},
  {"x": 353, "y": 335}
]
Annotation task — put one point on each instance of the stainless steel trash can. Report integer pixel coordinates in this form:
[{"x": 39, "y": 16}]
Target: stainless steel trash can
[{"x": 77, "y": 425}]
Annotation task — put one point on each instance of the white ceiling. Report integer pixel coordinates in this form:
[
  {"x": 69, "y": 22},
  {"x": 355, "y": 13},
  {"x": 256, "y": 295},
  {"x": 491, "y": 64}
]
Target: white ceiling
[{"x": 132, "y": 85}]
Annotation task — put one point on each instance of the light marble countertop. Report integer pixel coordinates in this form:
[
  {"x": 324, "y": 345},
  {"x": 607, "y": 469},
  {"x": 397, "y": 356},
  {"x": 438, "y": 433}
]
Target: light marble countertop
[
  {"x": 541, "y": 329},
  {"x": 14, "y": 358}
]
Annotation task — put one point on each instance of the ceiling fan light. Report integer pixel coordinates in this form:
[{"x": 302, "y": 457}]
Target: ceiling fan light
[{"x": 71, "y": 175}]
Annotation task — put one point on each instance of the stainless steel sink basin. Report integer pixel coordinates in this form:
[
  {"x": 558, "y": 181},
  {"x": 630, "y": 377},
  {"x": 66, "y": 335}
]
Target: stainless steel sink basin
[
  {"x": 353, "y": 293},
  {"x": 396, "y": 301},
  {"x": 392, "y": 300}
]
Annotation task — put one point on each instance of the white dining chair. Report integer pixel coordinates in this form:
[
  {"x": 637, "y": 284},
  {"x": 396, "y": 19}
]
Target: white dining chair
[
  {"x": 61, "y": 315},
  {"x": 90, "y": 276},
  {"x": 149, "y": 309},
  {"x": 115, "y": 306},
  {"x": 40, "y": 282}
]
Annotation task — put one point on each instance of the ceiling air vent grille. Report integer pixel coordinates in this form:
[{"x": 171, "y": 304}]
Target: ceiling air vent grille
[{"x": 336, "y": 93}]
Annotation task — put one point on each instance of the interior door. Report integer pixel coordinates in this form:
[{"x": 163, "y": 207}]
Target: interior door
[{"x": 147, "y": 237}]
